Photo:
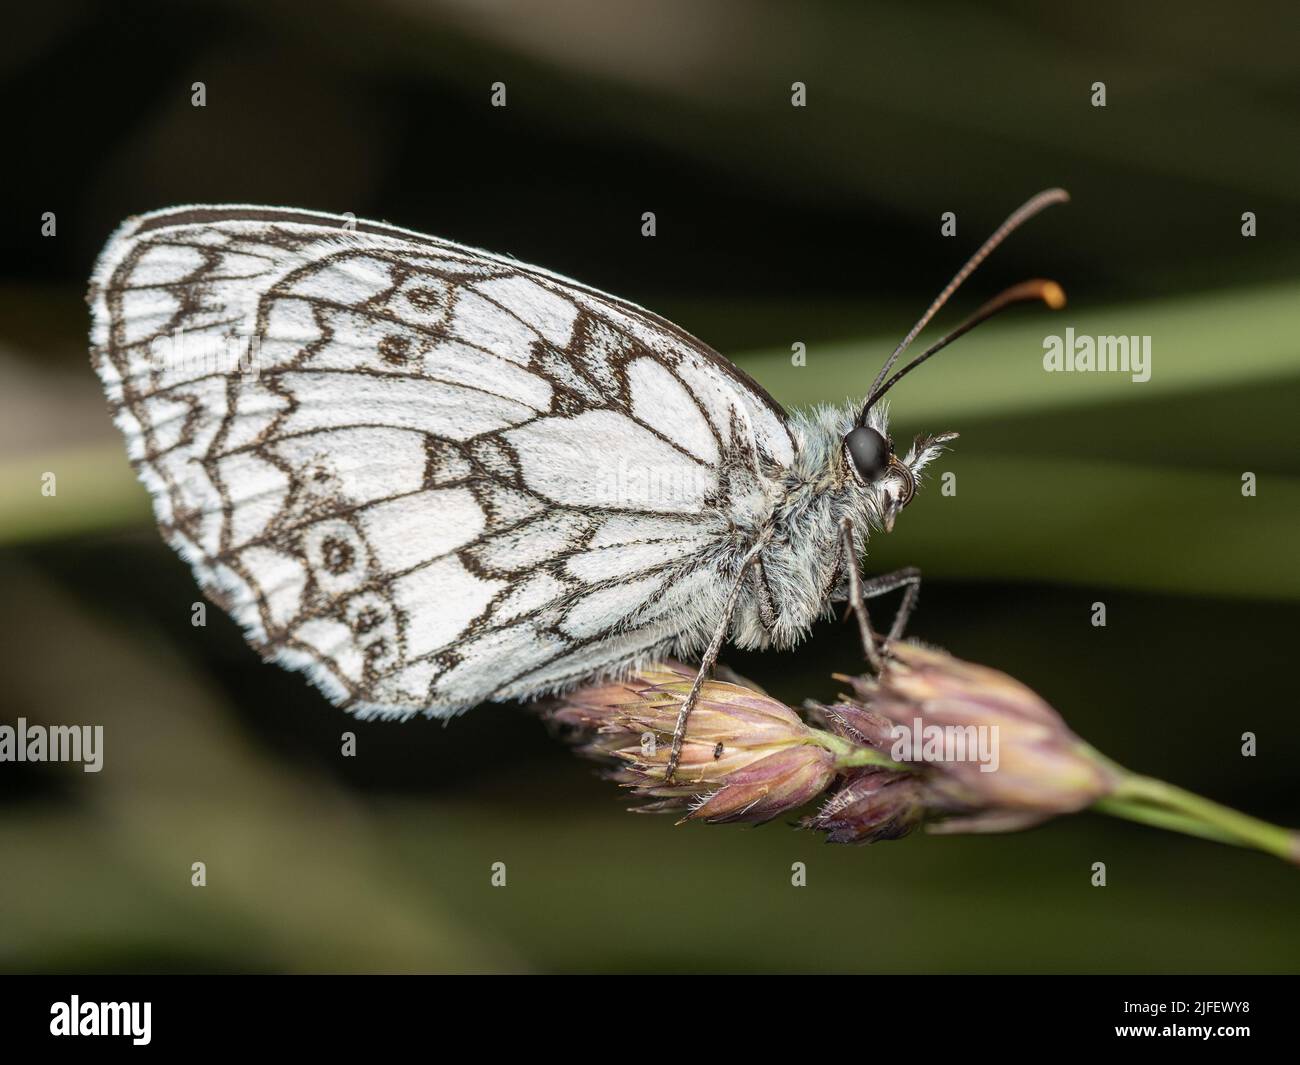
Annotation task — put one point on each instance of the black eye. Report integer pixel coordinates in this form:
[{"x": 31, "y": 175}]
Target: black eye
[{"x": 868, "y": 451}]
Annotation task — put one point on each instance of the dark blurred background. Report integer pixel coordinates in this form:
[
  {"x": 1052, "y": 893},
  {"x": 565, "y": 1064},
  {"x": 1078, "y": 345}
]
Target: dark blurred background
[{"x": 776, "y": 225}]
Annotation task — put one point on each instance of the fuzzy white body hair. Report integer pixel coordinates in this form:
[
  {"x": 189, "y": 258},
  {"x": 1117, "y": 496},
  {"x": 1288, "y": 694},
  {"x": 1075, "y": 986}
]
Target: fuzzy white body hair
[{"x": 797, "y": 530}]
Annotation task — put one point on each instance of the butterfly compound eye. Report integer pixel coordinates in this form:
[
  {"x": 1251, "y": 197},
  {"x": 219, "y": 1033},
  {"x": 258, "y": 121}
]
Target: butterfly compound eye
[{"x": 868, "y": 451}]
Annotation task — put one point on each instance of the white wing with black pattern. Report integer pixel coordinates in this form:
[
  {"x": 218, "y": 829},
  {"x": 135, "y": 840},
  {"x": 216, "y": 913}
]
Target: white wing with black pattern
[{"x": 424, "y": 474}]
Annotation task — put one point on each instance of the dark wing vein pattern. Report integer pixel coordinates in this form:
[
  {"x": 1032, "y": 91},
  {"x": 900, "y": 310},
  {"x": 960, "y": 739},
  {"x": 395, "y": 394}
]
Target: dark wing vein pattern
[{"x": 425, "y": 475}]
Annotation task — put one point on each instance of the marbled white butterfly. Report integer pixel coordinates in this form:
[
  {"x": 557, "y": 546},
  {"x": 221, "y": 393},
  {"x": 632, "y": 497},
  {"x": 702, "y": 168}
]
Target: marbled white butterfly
[{"x": 430, "y": 476}]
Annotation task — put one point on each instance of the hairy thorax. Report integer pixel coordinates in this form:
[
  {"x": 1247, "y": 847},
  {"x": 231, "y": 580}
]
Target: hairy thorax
[{"x": 801, "y": 566}]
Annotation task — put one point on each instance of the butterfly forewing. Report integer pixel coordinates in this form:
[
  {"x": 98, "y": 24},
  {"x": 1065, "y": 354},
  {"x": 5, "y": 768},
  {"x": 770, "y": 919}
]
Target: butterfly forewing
[{"x": 425, "y": 474}]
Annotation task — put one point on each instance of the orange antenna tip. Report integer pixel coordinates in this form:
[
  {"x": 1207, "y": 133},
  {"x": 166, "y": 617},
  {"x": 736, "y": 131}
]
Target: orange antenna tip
[{"x": 1053, "y": 295}]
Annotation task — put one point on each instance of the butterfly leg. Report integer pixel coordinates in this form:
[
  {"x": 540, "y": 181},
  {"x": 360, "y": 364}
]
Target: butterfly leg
[
  {"x": 908, "y": 578},
  {"x": 706, "y": 667},
  {"x": 857, "y": 601}
]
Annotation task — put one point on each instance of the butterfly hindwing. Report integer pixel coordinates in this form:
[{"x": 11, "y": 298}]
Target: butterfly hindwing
[{"x": 424, "y": 474}]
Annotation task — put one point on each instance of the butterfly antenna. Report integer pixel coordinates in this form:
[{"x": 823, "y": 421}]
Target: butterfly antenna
[
  {"x": 1049, "y": 292},
  {"x": 1018, "y": 217}
]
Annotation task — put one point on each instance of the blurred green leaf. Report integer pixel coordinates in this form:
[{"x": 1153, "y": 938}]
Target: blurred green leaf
[
  {"x": 1204, "y": 341},
  {"x": 94, "y": 489},
  {"x": 1100, "y": 525}
]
